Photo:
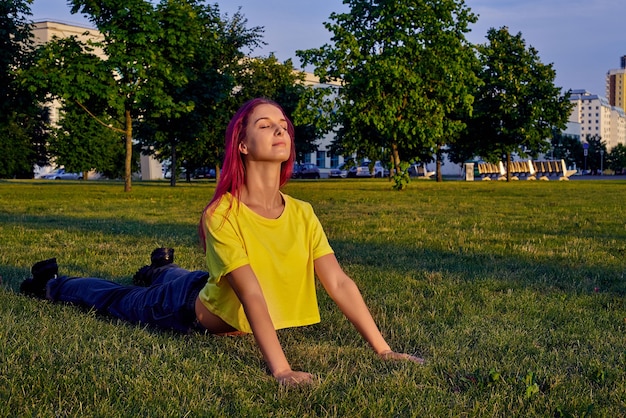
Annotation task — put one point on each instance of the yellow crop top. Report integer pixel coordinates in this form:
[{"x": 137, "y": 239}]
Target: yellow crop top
[{"x": 280, "y": 252}]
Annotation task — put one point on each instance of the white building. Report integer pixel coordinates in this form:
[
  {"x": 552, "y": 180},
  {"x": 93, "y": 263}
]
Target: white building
[{"x": 596, "y": 116}]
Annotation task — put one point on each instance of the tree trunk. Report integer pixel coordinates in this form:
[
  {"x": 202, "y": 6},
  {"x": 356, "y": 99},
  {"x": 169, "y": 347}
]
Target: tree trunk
[
  {"x": 217, "y": 173},
  {"x": 438, "y": 164},
  {"x": 173, "y": 166},
  {"x": 395, "y": 157},
  {"x": 129, "y": 152},
  {"x": 508, "y": 166}
]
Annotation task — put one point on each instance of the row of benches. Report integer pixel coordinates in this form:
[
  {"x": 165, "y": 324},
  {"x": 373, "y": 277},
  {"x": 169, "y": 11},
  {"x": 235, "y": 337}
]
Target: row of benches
[
  {"x": 530, "y": 170},
  {"x": 420, "y": 171}
]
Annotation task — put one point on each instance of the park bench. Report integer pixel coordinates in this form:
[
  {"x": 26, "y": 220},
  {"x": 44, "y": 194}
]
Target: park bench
[
  {"x": 491, "y": 171},
  {"x": 530, "y": 170},
  {"x": 552, "y": 168},
  {"x": 523, "y": 169},
  {"x": 416, "y": 170}
]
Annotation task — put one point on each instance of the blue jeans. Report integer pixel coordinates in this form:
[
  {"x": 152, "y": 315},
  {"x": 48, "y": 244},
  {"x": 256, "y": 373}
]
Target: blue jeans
[{"x": 169, "y": 303}]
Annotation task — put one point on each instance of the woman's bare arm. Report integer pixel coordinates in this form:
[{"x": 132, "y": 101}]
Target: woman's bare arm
[
  {"x": 247, "y": 288},
  {"x": 348, "y": 298}
]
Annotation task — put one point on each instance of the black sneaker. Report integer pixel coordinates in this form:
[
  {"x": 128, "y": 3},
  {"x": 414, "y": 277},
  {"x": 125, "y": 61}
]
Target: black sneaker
[
  {"x": 160, "y": 257},
  {"x": 42, "y": 272}
]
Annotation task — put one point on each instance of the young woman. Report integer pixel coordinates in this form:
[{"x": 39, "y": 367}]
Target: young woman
[{"x": 263, "y": 249}]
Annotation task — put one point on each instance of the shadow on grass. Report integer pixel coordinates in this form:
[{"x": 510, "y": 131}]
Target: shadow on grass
[
  {"x": 512, "y": 270},
  {"x": 123, "y": 231}
]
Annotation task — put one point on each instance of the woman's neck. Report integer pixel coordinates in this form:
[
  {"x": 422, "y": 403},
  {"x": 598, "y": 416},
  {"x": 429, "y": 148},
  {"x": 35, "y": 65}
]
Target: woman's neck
[{"x": 261, "y": 193}]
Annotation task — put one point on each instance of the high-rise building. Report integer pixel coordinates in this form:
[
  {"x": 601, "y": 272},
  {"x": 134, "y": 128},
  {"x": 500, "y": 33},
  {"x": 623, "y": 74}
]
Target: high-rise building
[{"x": 616, "y": 85}]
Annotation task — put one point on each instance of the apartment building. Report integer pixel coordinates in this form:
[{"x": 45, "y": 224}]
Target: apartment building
[
  {"x": 596, "y": 116},
  {"x": 616, "y": 85}
]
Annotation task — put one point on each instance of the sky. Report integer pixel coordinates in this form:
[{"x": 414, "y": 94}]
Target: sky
[{"x": 582, "y": 39}]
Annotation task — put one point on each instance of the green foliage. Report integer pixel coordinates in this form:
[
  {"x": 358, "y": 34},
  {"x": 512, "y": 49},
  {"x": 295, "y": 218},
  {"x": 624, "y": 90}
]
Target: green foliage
[
  {"x": 312, "y": 112},
  {"x": 532, "y": 387},
  {"x": 595, "y": 152},
  {"x": 69, "y": 69},
  {"x": 616, "y": 159},
  {"x": 517, "y": 106},
  {"x": 15, "y": 43},
  {"x": 406, "y": 71},
  {"x": 267, "y": 77},
  {"x": 22, "y": 121},
  {"x": 212, "y": 47},
  {"x": 168, "y": 78},
  {"x": 400, "y": 177},
  {"x": 568, "y": 148},
  {"x": 161, "y": 60},
  {"x": 23, "y": 140},
  {"x": 81, "y": 143},
  {"x": 497, "y": 301}
]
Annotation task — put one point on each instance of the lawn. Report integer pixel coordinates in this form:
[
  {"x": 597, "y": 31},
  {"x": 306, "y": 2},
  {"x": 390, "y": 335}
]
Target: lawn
[{"x": 514, "y": 293}]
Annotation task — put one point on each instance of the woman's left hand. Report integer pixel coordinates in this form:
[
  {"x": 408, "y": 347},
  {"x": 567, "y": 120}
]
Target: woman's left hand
[{"x": 392, "y": 355}]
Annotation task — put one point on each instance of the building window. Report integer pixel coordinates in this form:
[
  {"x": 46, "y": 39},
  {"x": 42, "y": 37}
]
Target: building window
[
  {"x": 321, "y": 159},
  {"x": 334, "y": 161},
  {"x": 307, "y": 158}
]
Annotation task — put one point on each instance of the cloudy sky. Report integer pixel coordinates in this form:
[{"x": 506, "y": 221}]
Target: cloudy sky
[{"x": 583, "y": 39}]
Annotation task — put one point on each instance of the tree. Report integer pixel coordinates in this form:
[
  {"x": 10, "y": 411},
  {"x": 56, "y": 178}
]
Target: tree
[
  {"x": 517, "y": 106},
  {"x": 568, "y": 148},
  {"x": 134, "y": 72},
  {"x": 22, "y": 121},
  {"x": 267, "y": 77},
  {"x": 405, "y": 68},
  {"x": 253, "y": 77},
  {"x": 210, "y": 63},
  {"x": 81, "y": 144},
  {"x": 616, "y": 159},
  {"x": 595, "y": 152}
]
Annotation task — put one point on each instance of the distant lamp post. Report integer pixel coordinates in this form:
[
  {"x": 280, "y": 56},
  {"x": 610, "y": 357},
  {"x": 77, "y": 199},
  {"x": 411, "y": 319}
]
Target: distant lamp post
[
  {"x": 601, "y": 162},
  {"x": 585, "y": 152}
]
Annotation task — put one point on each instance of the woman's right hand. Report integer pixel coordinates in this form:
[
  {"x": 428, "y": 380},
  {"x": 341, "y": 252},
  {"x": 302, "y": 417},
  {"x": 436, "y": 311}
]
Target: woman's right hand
[{"x": 293, "y": 378}]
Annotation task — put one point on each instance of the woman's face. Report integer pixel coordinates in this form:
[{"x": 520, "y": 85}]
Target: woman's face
[{"x": 267, "y": 138}]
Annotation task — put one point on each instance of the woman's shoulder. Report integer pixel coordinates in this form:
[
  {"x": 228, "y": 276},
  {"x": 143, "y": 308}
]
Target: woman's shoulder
[
  {"x": 225, "y": 201},
  {"x": 221, "y": 208},
  {"x": 297, "y": 205}
]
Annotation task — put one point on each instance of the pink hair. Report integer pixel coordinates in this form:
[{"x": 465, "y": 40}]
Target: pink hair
[{"x": 233, "y": 172}]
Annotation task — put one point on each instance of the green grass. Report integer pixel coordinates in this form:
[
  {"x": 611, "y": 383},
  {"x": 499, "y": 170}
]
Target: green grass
[{"x": 514, "y": 293}]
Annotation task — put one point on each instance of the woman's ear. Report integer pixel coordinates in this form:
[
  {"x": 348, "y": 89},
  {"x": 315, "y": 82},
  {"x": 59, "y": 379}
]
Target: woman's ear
[{"x": 242, "y": 148}]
